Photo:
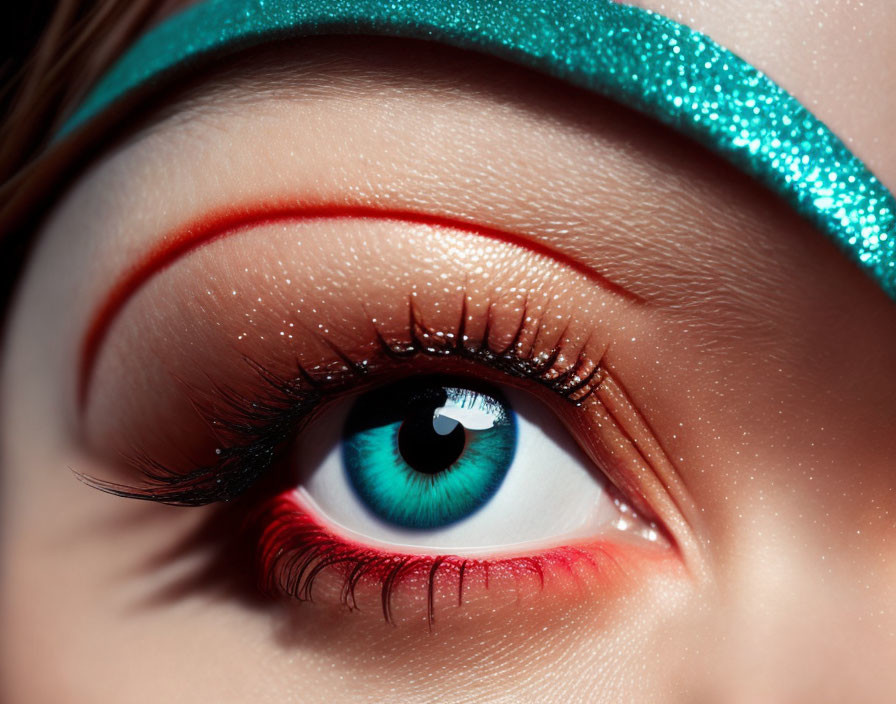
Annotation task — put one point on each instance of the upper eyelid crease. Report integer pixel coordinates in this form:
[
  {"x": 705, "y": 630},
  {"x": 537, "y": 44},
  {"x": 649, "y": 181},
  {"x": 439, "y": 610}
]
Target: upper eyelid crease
[{"x": 218, "y": 224}]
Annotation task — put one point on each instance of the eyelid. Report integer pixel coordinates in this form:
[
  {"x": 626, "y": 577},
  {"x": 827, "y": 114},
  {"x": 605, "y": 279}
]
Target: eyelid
[
  {"x": 249, "y": 428},
  {"x": 291, "y": 542},
  {"x": 162, "y": 349},
  {"x": 223, "y": 223},
  {"x": 494, "y": 298}
]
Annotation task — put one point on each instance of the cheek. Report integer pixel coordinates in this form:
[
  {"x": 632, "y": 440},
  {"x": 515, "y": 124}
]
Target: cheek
[{"x": 784, "y": 435}]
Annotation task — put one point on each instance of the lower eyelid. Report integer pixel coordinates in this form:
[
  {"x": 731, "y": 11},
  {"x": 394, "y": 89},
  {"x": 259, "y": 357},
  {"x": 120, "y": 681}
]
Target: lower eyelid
[{"x": 298, "y": 557}]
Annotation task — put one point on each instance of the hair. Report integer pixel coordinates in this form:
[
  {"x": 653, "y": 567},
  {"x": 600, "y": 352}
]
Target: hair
[
  {"x": 71, "y": 46},
  {"x": 60, "y": 51}
]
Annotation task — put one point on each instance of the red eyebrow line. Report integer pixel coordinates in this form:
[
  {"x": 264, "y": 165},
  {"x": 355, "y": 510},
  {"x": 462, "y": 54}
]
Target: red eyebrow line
[{"x": 222, "y": 223}]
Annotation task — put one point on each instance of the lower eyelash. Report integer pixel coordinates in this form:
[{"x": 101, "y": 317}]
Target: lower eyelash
[
  {"x": 251, "y": 429},
  {"x": 294, "y": 550}
]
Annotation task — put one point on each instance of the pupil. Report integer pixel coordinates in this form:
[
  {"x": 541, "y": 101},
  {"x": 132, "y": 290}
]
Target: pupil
[{"x": 423, "y": 446}]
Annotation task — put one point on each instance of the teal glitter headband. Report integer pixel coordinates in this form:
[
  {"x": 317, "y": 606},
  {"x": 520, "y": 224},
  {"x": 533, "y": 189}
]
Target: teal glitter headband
[{"x": 639, "y": 58}]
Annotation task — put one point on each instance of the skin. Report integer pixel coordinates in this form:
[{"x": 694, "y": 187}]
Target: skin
[{"x": 759, "y": 366}]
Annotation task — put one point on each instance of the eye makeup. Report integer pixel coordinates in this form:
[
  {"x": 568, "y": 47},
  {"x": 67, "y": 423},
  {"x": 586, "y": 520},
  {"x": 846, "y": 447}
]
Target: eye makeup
[
  {"x": 228, "y": 222},
  {"x": 299, "y": 557},
  {"x": 222, "y": 396},
  {"x": 251, "y": 428},
  {"x": 398, "y": 316},
  {"x": 643, "y": 60}
]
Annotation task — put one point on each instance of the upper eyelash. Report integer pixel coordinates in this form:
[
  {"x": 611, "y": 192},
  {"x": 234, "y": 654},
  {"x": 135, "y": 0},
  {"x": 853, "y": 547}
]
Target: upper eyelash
[{"x": 251, "y": 430}]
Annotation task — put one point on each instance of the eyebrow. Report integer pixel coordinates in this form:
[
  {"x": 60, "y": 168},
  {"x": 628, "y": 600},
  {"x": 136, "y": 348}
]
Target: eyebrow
[{"x": 218, "y": 224}]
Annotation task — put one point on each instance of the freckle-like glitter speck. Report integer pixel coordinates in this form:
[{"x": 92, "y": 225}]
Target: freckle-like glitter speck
[{"x": 637, "y": 57}]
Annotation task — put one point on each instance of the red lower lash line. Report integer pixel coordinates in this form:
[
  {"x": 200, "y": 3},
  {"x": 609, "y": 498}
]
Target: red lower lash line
[{"x": 294, "y": 549}]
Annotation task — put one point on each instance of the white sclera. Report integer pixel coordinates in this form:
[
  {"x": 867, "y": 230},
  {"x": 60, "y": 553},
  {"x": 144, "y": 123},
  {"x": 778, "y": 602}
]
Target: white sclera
[{"x": 550, "y": 492}]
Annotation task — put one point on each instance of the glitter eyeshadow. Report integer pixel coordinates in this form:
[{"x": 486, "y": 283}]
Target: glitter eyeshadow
[{"x": 635, "y": 56}]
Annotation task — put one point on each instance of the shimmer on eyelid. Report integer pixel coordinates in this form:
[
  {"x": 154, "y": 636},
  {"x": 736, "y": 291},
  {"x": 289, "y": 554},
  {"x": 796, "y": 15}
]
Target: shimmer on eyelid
[
  {"x": 641, "y": 59},
  {"x": 214, "y": 225}
]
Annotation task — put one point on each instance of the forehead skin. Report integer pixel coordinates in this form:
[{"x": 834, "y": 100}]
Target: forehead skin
[{"x": 836, "y": 56}]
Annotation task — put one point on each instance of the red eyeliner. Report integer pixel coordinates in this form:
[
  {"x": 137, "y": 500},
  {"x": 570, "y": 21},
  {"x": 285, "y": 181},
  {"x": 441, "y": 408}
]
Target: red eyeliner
[
  {"x": 293, "y": 549},
  {"x": 231, "y": 221}
]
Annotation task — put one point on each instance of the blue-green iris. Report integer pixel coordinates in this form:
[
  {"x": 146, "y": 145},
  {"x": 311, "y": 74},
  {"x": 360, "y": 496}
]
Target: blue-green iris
[{"x": 425, "y": 452}]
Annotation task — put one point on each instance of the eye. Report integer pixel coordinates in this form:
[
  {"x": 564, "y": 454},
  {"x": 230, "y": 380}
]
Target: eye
[
  {"x": 436, "y": 427},
  {"x": 433, "y": 464},
  {"x": 425, "y": 454}
]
